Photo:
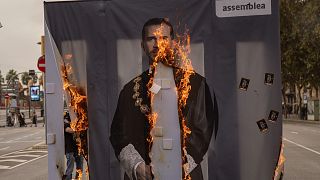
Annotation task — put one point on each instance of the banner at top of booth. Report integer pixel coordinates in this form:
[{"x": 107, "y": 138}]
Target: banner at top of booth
[{"x": 234, "y": 8}]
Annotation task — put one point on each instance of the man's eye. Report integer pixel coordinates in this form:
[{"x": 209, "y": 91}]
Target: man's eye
[{"x": 150, "y": 38}]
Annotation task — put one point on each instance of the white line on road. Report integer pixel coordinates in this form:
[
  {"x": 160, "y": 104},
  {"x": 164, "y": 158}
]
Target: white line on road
[
  {"x": 293, "y": 132},
  {"x": 8, "y": 142},
  {"x": 13, "y": 160},
  {"x": 24, "y": 152},
  {"x": 4, "y": 148},
  {"x": 42, "y": 142},
  {"x": 21, "y": 155},
  {"x": 28, "y": 161},
  {"x": 4, "y": 167},
  {"x": 302, "y": 146}
]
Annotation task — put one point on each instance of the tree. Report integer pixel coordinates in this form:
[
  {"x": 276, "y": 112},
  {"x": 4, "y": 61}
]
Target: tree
[
  {"x": 291, "y": 62},
  {"x": 25, "y": 77},
  {"x": 1, "y": 78},
  {"x": 311, "y": 41},
  {"x": 11, "y": 76},
  {"x": 300, "y": 37}
]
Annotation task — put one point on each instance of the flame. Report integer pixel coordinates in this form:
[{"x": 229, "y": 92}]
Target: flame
[
  {"x": 280, "y": 164},
  {"x": 182, "y": 46},
  {"x": 78, "y": 103},
  {"x": 177, "y": 55},
  {"x": 79, "y": 171}
]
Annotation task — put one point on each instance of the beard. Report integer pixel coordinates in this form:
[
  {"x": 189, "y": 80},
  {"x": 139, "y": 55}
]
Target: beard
[{"x": 166, "y": 57}]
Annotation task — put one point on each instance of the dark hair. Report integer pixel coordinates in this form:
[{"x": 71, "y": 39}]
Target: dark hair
[
  {"x": 67, "y": 116},
  {"x": 157, "y": 21}
]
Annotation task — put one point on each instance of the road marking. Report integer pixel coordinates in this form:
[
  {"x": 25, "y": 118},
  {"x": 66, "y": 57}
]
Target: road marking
[
  {"x": 13, "y": 160},
  {"x": 293, "y": 132},
  {"x": 4, "y": 167},
  {"x": 38, "y": 137},
  {"x": 302, "y": 146},
  {"x": 8, "y": 142},
  {"x": 4, "y": 148},
  {"x": 36, "y": 151},
  {"x": 28, "y": 161},
  {"x": 42, "y": 142},
  {"x": 21, "y": 155}
]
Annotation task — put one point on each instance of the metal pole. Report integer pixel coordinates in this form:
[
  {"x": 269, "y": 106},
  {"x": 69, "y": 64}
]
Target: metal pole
[{"x": 29, "y": 104}]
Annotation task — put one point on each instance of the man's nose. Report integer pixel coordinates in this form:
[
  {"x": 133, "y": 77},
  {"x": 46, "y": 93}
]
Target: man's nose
[{"x": 155, "y": 44}]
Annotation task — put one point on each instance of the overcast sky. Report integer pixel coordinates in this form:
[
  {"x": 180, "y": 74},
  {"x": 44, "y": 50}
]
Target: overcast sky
[{"x": 22, "y": 22}]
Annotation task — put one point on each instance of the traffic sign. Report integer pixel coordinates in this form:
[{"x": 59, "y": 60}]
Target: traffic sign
[{"x": 42, "y": 64}]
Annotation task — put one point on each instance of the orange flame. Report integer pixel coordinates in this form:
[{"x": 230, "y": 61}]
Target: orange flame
[
  {"x": 280, "y": 164},
  {"x": 78, "y": 103},
  {"x": 176, "y": 55},
  {"x": 182, "y": 46},
  {"x": 79, "y": 171}
]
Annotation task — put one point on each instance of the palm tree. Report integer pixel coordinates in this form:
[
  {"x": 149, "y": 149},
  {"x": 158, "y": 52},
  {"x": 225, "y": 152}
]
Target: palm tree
[
  {"x": 25, "y": 77},
  {"x": 11, "y": 76},
  {"x": 1, "y": 78}
]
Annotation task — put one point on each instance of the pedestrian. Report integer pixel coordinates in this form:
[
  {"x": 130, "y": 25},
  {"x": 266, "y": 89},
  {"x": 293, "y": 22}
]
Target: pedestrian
[
  {"x": 70, "y": 147},
  {"x": 34, "y": 119},
  {"x": 9, "y": 121},
  {"x": 21, "y": 120}
]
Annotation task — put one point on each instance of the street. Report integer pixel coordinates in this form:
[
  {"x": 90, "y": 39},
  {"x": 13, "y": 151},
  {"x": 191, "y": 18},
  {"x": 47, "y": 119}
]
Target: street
[
  {"x": 23, "y": 154},
  {"x": 302, "y": 150}
]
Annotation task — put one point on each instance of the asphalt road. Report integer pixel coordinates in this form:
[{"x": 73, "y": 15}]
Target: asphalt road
[
  {"x": 21, "y": 155},
  {"x": 302, "y": 150}
]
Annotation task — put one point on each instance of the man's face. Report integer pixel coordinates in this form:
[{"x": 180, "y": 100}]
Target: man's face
[{"x": 150, "y": 42}]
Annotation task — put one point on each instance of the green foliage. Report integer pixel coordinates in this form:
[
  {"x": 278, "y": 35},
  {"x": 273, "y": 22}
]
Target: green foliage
[
  {"x": 1, "y": 78},
  {"x": 300, "y": 43},
  {"x": 11, "y": 75},
  {"x": 25, "y": 77}
]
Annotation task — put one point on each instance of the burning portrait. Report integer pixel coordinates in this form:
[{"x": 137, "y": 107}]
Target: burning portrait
[
  {"x": 163, "y": 90},
  {"x": 165, "y": 116}
]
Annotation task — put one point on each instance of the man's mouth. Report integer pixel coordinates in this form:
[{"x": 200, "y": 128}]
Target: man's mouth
[{"x": 155, "y": 51}]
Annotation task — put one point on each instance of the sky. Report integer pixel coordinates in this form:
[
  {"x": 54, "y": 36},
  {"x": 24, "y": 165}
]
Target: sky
[{"x": 23, "y": 26}]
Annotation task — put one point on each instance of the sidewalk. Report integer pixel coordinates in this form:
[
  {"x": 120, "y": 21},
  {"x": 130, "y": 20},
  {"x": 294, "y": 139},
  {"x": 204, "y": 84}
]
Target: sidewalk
[
  {"x": 294, "y": 118},
  {"x": 27, "y": 120}
]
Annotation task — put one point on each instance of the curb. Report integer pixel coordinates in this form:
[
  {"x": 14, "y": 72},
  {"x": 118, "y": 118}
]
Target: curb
[
  {"x": 40, "y": 147},
  {"x": 302, "y": 121}
]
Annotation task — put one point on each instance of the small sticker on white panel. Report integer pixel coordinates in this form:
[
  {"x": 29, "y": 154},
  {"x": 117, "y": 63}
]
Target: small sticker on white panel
[
  {"x": 165, "y": 83},
  {"x": 167, "y": 144},
  {"x": 155, "y": 88},
  {"x": 158, "y": 131}
]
